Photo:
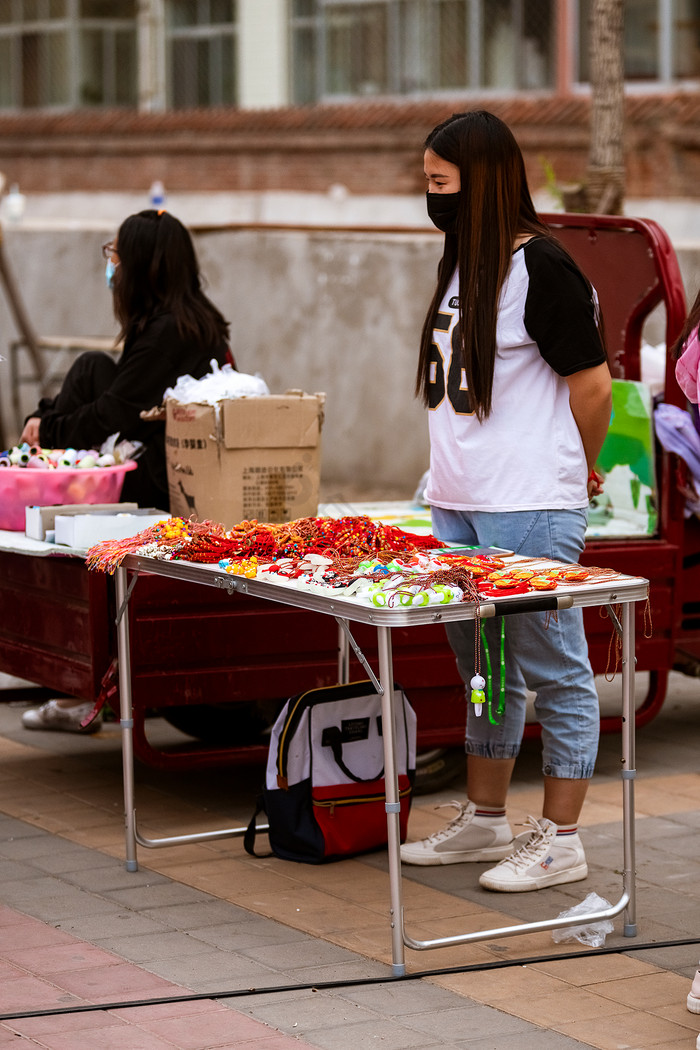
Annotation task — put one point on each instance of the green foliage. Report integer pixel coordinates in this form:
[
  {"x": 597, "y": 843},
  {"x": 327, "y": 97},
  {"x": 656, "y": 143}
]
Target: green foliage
[{"x": 550, "y": 179}]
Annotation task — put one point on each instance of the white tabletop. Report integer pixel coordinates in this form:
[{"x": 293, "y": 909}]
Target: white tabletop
[{"x": 621, "y": 589}]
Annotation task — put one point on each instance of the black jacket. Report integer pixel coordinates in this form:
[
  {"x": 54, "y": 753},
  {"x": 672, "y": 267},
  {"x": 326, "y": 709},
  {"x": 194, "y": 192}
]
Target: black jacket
[{"x": 149, "y": 363}]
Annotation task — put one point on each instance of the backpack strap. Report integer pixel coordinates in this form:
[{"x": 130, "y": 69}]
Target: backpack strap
[{"x": 251, "y": 830}]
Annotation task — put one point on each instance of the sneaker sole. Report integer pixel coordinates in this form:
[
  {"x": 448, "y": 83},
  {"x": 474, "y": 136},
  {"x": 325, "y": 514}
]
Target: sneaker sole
[
  {"x": 541, "y": 883},
  {"x": 693, "y": 1004},
  {"x": 91, "y": 727},
  {"x": 475, "y": 856}
]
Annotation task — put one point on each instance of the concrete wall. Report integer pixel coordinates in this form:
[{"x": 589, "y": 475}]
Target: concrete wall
[{"x": 319, "y": 310}]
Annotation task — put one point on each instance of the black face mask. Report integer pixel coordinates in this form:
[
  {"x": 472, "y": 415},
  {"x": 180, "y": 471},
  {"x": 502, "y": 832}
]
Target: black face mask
[{"x": 443, "y": 209}]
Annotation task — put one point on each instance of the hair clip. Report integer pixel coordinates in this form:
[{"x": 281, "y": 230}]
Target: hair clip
[{"x": 161, "y": 211}]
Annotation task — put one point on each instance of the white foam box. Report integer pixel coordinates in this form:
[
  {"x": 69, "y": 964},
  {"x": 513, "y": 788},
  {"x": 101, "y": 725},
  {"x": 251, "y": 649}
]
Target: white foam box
[
  {"x": 40, "y": 520},
  {"x": 82, "y": 531}
]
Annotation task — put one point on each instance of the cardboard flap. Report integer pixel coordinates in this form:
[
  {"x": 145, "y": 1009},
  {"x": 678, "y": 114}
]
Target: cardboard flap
[{"x": 275, "y": 421}]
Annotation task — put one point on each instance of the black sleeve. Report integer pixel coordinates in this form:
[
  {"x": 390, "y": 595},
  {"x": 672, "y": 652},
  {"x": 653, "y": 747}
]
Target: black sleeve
[
  {"x": 149, "y": 364},
  {"x": 560, "y": 313}
]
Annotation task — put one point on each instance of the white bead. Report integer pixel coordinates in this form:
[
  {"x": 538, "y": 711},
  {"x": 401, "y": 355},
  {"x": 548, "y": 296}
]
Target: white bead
[{"x": 477, "y": 682}]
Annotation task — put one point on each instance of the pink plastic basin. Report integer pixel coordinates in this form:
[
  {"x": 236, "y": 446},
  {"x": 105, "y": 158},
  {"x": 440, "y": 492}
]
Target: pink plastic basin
[{"x": 22, "y": 487}]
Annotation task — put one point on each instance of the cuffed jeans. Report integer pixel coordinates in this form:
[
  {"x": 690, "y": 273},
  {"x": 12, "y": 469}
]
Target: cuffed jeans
[{"x": 545, "y": 653}]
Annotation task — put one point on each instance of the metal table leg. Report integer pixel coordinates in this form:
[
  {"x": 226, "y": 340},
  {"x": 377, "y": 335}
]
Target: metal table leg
[
  {"x": 629, "y": 771},
  {"x": 127, "y": 719},
  {"x": 393, "y": 804},
  {"x": 343, "y": 651}
]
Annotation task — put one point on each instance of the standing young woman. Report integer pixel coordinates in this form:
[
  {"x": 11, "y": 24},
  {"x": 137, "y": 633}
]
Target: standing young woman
[
  {"x": 169, "y": 328},
  {"x": 513, "y": 371}
]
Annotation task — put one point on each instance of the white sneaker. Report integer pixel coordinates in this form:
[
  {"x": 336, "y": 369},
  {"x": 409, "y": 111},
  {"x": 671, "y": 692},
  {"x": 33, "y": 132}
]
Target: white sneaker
[
  {"x": 63, "y": 719},
  {"x": 469, "y": 837},
  {"x": 543, "y": 860},
  {"x": 693, "y": 1001}
]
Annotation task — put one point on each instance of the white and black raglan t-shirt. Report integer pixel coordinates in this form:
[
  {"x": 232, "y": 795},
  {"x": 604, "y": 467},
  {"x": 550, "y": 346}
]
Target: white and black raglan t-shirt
[{"x": 528, "y": 453}]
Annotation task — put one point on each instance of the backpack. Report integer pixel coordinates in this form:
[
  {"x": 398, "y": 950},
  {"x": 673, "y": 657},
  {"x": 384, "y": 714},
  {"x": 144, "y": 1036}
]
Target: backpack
[{"x": 324, "y": 784}]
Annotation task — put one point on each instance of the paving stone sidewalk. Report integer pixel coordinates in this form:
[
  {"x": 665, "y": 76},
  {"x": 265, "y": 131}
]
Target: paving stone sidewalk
[
  {"x": 209, "y": 919},
  {"x": 88, "y": 914}
]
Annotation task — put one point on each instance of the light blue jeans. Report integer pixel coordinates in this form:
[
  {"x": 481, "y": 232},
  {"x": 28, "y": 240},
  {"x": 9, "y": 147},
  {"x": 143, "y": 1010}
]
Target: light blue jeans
[{"x": 551, "y": 661}]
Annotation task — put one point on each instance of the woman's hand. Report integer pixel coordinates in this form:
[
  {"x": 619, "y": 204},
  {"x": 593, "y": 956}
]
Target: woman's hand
[
  {"x": 30, "y": 434},
  {"x": 595, "y": 484}
]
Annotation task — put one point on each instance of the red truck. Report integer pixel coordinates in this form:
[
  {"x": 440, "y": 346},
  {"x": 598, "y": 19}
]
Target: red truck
[{"x": 223, "y": 683}]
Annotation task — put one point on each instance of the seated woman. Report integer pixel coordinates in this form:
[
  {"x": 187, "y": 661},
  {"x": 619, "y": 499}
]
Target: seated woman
[{"x": 170, "y": 328}]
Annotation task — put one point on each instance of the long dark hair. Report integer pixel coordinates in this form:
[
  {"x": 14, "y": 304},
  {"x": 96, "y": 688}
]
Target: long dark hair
[
  {"x": 158, "y": 273},
  {"x": 495, "y": 208},
  {"x": 691, "y": 322}
]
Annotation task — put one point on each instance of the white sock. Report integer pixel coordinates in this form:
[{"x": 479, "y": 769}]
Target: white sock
[
  {"x": 564, "y": 830},
  {"x": 490, "y": 812}
]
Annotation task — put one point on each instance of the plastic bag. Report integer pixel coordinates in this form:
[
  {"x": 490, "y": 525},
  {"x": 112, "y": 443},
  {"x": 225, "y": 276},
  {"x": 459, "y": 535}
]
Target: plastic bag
[
  {"x": 592, "y": 934},
  {"x": 120, "y": 451},
  {"x": 677, "y": 433},
  {"x": 419, "y": 494},
  {"x": 220, "y": 384},
  {"x": 652, "y": 364}
]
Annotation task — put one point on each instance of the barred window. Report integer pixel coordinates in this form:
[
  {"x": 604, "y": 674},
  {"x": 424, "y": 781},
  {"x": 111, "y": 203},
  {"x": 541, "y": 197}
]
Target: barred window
[
  {"x": 356, "y": 49},
  {"x": 517, "y": 44},
  {"x": 201, "y": 52},
  {"x": 350, "y": 48},
  {"x": 686, "y": 39},
  {"x": 662, "y": 40},
  {"x": 67, "y": 53}
]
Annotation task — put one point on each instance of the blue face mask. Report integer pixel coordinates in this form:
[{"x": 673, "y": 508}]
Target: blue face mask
[{"x": 110, "y": 269}]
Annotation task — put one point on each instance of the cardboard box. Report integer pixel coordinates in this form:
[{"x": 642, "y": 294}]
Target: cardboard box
[
  {"x": 84, "y": 530},
  {"x": 40, "y": 520},
  {"x": 257, "y": 457}
]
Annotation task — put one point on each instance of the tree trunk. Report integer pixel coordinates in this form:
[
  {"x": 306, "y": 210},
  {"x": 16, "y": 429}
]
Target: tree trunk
[{"x": 604, "y": 186}]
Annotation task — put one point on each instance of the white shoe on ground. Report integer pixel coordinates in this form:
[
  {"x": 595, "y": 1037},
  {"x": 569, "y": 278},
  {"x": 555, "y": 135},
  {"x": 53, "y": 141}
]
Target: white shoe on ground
[
  {"x": 63, "y": 719},
  {"x": 471, "y": 836},
  {"x": 543, "y": 860},
  {"x": 693, "y": 1001}
]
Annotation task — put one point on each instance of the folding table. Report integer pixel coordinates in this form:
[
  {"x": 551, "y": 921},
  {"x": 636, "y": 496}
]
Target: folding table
[{"x": 621, "y": 591}]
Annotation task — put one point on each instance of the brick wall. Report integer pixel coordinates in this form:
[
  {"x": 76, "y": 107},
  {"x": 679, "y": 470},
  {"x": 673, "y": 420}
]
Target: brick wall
[{"x": 370, "y": 148}]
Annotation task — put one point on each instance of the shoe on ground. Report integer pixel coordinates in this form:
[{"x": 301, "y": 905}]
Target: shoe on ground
[
  {"x": 542, "y": 860},
  {"x": 62, "y": 719},
  {"x": 469, "y": 837},
  {"x": 694, "y": 996}
]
